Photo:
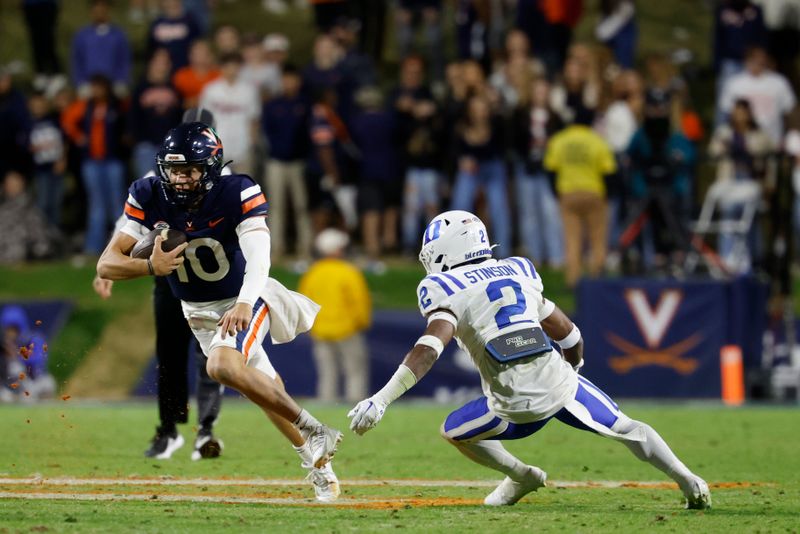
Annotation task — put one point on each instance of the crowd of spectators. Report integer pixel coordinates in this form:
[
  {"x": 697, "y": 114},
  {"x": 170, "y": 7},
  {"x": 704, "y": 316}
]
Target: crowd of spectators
[{"x": 561, "y": 146}]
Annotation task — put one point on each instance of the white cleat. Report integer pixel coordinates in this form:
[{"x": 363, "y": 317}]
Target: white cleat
[
  {"x": 326, "y": 485},
  {"x": 510, "y": 491},
  {"x": 322, "y": 442},
  {"x": 698, "y": 497}
]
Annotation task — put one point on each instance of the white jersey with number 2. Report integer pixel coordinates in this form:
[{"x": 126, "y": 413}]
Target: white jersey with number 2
[{"x": 498, "y": 305}]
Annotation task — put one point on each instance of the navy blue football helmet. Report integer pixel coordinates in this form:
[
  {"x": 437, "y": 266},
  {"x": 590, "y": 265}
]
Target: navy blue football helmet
[{"x": 190, "y": 143}]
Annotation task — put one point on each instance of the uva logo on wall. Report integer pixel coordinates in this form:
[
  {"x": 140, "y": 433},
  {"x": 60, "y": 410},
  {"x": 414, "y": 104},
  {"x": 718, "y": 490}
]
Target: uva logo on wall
[{"x": 654, "y": 324}]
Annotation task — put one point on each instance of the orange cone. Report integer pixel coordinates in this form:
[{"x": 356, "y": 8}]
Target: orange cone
[{"x": 732, "y": 374}]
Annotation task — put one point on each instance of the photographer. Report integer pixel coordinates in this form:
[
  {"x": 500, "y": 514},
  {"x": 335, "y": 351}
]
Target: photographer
[{"x": 662, "y": 160}]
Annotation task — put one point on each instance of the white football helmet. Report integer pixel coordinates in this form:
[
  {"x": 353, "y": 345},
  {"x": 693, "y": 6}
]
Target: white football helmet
[{"x": 452, "y": 238}]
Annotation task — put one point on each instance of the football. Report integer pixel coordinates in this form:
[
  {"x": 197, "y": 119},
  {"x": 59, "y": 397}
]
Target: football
[{"x": 144, "y": 247}]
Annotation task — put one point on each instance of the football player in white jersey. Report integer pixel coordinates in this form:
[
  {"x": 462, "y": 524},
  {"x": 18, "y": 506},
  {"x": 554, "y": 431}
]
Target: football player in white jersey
[{"x": 496, "y": 312}]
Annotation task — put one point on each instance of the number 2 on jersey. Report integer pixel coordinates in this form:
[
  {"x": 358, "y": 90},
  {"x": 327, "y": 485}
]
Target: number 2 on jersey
[
  {"x": 503, "y": 316},
  {"x": 423, "y": 301}
]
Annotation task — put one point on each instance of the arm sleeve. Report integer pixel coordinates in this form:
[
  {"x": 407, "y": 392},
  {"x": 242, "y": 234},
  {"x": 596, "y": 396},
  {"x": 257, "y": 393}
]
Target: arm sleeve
[
  {"x": 132, "y": 228},
  {"x": 254, "y": 241}
]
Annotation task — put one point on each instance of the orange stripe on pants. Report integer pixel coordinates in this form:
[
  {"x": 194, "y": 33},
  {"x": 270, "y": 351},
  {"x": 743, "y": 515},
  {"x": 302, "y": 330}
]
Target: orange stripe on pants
[{"x": 254, "y": 332}]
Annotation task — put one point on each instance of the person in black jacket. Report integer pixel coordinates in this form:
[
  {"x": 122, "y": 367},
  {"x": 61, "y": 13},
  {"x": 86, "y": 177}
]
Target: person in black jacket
[
  {"x": 480, "y": 151},
  {"x": 155, "y": 109},
  {"x": 420, "y": 128}
]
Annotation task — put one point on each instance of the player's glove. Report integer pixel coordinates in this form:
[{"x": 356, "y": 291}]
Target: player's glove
[{"x": 366, "y": 415}]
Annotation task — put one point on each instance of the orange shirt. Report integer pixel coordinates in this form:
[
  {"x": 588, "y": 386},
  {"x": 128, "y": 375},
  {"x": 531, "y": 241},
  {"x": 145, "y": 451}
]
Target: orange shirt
[
  {"x": 189, "y": 84},
  {"x": 692, "y": 127},
  {"x": 562, "y": 11},
  {"x": 72, "y": 121}
]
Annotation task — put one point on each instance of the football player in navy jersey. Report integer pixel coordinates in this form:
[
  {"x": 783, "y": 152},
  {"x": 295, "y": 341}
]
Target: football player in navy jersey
[
  {"x": 173, "y": 344},
  {"x": 221, "y": 277}
]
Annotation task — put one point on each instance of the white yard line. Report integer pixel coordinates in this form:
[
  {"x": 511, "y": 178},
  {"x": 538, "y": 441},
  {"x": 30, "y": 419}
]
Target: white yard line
[{"x": 275, "y": 482}]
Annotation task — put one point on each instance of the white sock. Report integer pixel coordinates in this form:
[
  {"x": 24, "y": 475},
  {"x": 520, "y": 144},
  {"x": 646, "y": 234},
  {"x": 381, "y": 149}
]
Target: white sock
[
  {"x": 306, "y": 421},
  {"x": 304, "y": 453},
  {"x": 655, "y": 451},
  {"x": 493, "y": 455}
]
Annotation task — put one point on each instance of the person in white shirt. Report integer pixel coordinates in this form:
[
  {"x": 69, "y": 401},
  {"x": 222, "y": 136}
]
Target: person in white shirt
[
  {"x": 770, "y": 95},
  {"x": 236, "y": 106},
  {"x": 263, "y": 62}
]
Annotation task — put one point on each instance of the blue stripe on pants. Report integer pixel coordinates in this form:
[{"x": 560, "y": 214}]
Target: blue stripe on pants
[
  {"x": 478, "y": 408},
  {"x": 469, "y": 412},
  {"x": 591, "y": 386},
  {"x": 496, "y": 421},
  {"x": 597, "y": 409},
  {"x": 587, "y": 395}
]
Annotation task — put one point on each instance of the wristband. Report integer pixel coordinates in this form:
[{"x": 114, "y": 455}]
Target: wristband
[
  {"x": 150, "y": 267},
  {"x": 432, "y": 342},
  {"x": 443, "y": 316},
  {"x": 572, "y": 338},
  {"x": 402, "y": 380}
]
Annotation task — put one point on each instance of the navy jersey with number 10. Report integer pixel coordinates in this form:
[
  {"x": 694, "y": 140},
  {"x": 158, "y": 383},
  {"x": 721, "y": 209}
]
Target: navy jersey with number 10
[{"x": 214, "y": 266}]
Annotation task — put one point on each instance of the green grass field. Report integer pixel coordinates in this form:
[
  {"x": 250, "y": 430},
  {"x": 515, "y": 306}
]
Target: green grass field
[{"x": 749, "y": 455}]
